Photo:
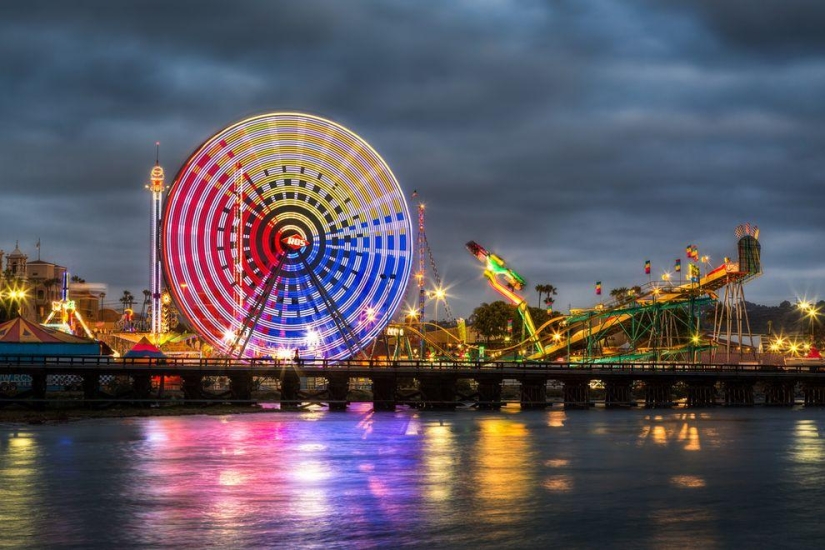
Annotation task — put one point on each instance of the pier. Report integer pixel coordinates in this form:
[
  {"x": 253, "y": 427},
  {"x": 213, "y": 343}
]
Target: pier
[{"x": 421, "y": 384}]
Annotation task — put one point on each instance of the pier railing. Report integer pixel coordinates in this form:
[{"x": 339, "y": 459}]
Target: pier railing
[{"x": 320, "y": 367}]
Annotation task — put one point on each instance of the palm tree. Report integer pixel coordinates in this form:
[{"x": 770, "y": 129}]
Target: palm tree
[
  {"x": 127, "y": 300},
  {"x": 540, "y": 290},
  {"x": 619, "y": 294},
  {"x": 549, "y": 291}
]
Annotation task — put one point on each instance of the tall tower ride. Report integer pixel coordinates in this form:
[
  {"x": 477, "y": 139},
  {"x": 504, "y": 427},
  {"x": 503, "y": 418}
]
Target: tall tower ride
[{"x": 157, "y": 187}]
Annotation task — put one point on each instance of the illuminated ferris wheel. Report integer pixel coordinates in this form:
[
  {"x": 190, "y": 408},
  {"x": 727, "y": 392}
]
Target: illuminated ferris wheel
[{"x": 284, "y": 232}]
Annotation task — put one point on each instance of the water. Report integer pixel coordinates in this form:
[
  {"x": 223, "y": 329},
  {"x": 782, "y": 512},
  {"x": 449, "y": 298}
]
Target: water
[{"x": 721, "y": 478}]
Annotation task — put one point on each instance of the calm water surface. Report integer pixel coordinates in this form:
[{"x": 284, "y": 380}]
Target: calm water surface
[{"x": 743, "y": 478}]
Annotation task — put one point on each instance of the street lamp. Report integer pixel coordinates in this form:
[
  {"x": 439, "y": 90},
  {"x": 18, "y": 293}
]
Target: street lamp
[
  {"x": 808, "y": 309},
  {"x": 15, "y": 296},
  {"x": 812, "y": 314}
]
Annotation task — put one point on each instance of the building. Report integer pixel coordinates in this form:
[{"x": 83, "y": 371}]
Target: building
[
  {"x": 45, "y": 281},
  {"x": 43, "y": 284},
  {"x": 88, "y": 299}
]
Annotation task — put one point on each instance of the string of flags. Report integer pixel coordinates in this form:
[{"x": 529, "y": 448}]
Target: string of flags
[{"x": 692, "y": 253}]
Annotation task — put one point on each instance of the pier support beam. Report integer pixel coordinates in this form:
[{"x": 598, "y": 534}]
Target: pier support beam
[
  {"x": 338, "y": 388},
  {"x": 658, "y": 394},
  {"x": 738, "y": 393},
  {"x": 383, "y": 393},
  {"x": 437, "y": 392},
  {"x": 91, "y": 386},
  {"x": 701, "y": 394},
  {"x": 814, "y": 394},
  {"x": 290, "y": 390},
  {"x": 39, "y": 391},
  {"x": 142, "y": 388},
  {"x": 618, "y": 394},
  {"x": 192, "y": 386},
  {"x": 240, "y": 387},
  {"x": 576, "y": 394},
  {"x": 780, "y": 393},
  {"x": 533, "y": 394},
  {"x": 489, "y": 394}
]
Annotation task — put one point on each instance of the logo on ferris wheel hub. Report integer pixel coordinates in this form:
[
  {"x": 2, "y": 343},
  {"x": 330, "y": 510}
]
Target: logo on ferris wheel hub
[{"x": 295, "y": 242}]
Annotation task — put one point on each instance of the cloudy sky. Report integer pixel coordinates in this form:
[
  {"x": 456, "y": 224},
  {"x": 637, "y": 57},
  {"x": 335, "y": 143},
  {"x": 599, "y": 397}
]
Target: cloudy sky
[{"x": 576, "y": 138}]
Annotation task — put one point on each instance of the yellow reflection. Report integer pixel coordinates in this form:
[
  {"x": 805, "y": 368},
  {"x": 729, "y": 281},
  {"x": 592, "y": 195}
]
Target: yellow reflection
[
  {"x": 692, "y": 443},
  {"x": 687, "y": 482},
  {"x": 19, "y": 452},
  {"x": 559, "y": 484},
  {"x": 439, "y": 462},
  {"x": 684, "y": 433},
  {"x": 557, "y": 463},
  {"x": 503, "y": 477},
  {"x": 659, "y": 434},
  {"x": 807, "y": 443},
  {"x": 556, "y": 419}
]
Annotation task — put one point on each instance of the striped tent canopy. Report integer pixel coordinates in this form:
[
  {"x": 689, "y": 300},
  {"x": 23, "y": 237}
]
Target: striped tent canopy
[
  {"x": 144, "y": 348},
  {"x": 21, "y": 331},
  {"x": 19, "y": 337}
]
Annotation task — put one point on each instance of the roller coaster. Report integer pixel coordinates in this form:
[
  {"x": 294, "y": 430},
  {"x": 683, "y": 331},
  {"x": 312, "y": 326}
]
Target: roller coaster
[{"x": 658, "y": 321}]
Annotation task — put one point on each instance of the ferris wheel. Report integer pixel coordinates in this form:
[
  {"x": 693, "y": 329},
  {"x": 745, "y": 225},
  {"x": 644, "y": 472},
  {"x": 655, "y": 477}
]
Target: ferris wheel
[{"x": 286, "y": 232}]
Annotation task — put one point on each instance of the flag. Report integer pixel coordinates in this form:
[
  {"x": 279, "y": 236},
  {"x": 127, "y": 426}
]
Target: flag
[
  {"x": 647, "y": 267},
  {"x": 598, "y": 288},
  {"x": 509, "y": 326},
  {"x": 37, "y": 246},
  {"x": 688, "y": 251},
  {"x": 694, "y": 253},
  {"x": 678, "y": 266}
]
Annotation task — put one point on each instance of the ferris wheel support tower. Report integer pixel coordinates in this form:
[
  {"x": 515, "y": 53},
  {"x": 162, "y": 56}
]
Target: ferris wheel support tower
[{"x": 157, "y": 187}]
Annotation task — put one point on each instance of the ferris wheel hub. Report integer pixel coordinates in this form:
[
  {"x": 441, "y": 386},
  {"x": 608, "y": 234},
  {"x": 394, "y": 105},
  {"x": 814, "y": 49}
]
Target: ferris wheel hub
[{"x": 295, "y": 241}]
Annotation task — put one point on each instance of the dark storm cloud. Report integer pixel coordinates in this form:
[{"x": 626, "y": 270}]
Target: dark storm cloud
[
  {"x": 768, "y": 29},
  {"x": 576, "y": 139}
]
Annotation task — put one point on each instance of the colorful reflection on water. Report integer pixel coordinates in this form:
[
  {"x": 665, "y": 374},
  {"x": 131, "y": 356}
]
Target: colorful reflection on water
[{"x": 717, "y": 478}]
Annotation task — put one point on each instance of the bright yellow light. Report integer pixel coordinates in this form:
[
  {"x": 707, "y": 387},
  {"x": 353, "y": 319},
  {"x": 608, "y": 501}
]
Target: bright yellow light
[
  {"x": 695, "y": 338},
  {"x": 556, "y": 336},
  {"x": 665, "y": 276},
  {"x": 412, "y": 312},
  {"x": 439, "y": 294}
]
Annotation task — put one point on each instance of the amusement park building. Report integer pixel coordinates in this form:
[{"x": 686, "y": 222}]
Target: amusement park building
[{"x": 43, "y": 282}]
